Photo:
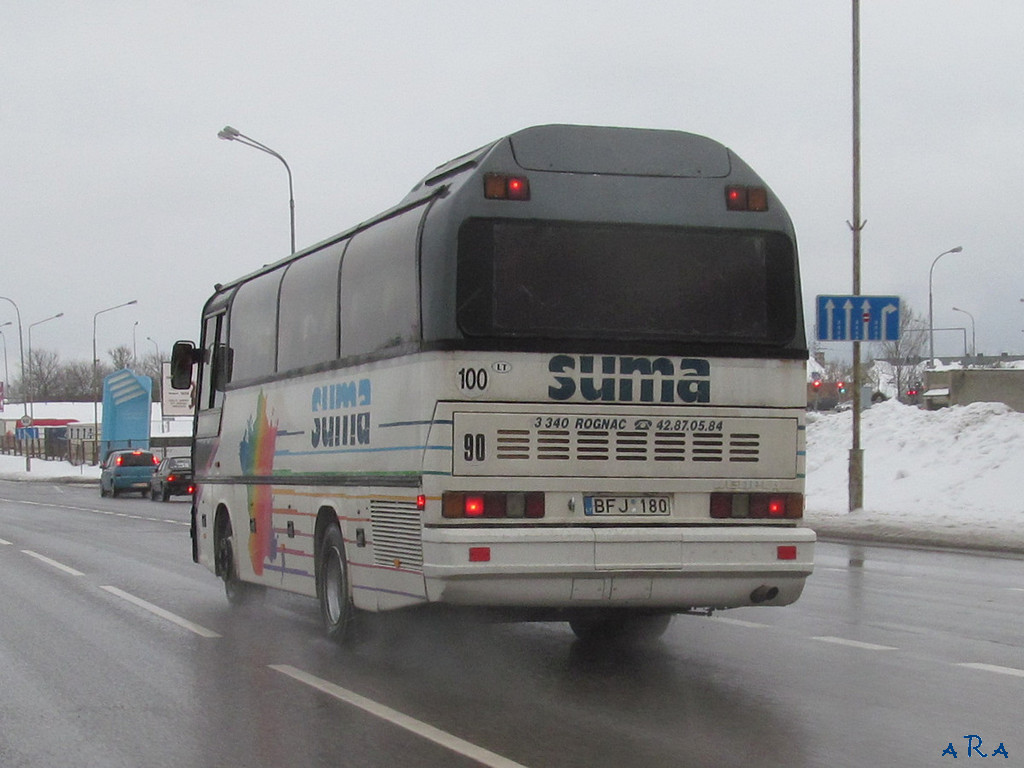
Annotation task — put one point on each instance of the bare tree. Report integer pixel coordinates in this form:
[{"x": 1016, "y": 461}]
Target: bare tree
[
  {"x": 73, "y": 382},
  {"x": 121, "y": 357},
  {"x": 905, "y": 355},
  {"x": 44, "y": 374}
]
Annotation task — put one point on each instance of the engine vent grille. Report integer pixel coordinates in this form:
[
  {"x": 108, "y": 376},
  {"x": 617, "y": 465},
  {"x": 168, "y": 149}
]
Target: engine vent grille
[{"x": 396, "y": 527}]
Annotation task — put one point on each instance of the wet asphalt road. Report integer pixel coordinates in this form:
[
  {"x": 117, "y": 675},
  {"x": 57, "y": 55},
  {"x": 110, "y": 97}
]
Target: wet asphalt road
[{"x": 117, "y": 650}]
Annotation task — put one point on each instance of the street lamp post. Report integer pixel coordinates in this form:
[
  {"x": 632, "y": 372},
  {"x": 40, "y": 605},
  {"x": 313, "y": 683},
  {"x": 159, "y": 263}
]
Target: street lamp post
[
  {"x": 931, "y": 315},
  {"x": 7, "y": 373},
  {"x": 31, "y": 381},
  {"x": 21, "y": 352},
  {"x": 232, "y": 134},
  {"x": 974, "y": 345},
  {"x": 95, "y": 380}
]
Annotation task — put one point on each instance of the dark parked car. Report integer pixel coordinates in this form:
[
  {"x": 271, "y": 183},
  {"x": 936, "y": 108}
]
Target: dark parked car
[
  {"x": 172, "y": 478},
  {"x": 127, "y": 471}
]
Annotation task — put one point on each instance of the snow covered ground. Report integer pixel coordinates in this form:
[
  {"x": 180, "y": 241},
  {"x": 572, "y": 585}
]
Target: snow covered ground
[{"x": 950, "y": 477}]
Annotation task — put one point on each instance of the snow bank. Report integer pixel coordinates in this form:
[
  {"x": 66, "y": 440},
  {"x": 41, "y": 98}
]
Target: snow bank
[{"x": 949, "y": 476}]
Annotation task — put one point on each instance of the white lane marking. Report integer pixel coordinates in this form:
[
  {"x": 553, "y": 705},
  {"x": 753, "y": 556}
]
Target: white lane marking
[
  {"x": 994, "y": 668},
  {"x": 5, "y": 543},
  {"x": 158, "y": 611},
  {"x": 100, "y": 512},
  {"x": 429, "y": 732},
  {"x": 855, "y": 644},
  {"x": 740, "y": 622},
  {"x": 59, "y": 566}
]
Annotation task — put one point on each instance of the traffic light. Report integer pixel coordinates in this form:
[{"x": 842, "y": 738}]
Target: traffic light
[
  {"x": 816, "y": 384},
  {"x": 841, "y": 387}
]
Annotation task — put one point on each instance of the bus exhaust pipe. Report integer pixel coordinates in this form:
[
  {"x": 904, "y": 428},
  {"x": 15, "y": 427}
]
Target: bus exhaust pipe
[{"x": 763, "y": 594}]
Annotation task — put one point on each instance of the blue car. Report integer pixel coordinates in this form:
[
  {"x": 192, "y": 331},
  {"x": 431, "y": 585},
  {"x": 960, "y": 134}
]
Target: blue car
[{"x": 127, "y": 471}]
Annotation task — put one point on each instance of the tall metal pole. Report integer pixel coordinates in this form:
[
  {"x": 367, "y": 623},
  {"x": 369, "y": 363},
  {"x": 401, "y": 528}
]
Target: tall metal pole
[
  {"x": 31, "y": 379},
  {"x": 931, "y": 314},
  {"x": 974, "y": 338},
  {"x": 7, "y": 373},
  {"x": 233, "y": 134},
  {"x": 21, "y": 350},
  {"x": 95, "y": 379},
  {"x": 856, "y": 479}
]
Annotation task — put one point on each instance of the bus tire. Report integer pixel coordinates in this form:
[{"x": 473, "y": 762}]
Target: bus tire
[
  {"x": 621, "y": 627},
  {"x": 237, "y": 591},
  {"x": 333, "y": 586}
]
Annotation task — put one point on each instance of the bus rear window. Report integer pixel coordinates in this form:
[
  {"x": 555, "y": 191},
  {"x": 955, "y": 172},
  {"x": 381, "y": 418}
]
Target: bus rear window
[{"x": 542, "y": 279}]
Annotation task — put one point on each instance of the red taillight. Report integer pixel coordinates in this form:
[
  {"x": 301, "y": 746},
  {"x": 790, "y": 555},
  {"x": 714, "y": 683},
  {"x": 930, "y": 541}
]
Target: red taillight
[
  {"x": 757, "y": 505},
  {"x": 492, "y": 505},
  {"x": 421, "y": 502},
  {"x": 170, "y": 478},
  {"x": 746, "y": 198},
  {"x": 191, "y": 489},
  {"x": 499, "y": 186},
  {"x": 119, "y": 460},
  {"x": 473, "y": 506},
  {"x": 721, "y": 505}
]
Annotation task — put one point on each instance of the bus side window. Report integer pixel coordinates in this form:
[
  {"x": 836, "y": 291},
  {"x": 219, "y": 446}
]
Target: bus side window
[
  {"x": 252, "y": 328},
  {"x": 211, "y": 374},
  {"x": 307, "y": 328},
  {"x": 380, "y": 288}
]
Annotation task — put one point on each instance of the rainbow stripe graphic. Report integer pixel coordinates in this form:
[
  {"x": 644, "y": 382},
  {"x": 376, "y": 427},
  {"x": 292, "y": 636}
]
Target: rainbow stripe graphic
[{"x": 256, "y": 452}]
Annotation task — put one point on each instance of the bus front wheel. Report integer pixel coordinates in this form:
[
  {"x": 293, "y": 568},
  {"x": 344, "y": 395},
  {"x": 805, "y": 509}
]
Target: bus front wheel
[
  {"x": 333, "y": 586},
  {"x": 238, "y": 592}
]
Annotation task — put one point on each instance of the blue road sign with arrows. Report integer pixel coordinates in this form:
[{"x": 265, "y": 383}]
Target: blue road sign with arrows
[{"x": 858, "y": 318}]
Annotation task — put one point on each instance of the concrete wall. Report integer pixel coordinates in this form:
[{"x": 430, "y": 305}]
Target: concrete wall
[{"x": 975, "y": 385}]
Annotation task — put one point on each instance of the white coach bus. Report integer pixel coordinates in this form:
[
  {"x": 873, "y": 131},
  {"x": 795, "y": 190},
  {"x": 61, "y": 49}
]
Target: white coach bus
[{"x": 563, "y": 379}]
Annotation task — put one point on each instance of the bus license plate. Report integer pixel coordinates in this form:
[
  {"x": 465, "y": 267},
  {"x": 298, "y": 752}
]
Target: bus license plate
[{"x": 627, "y": 505}]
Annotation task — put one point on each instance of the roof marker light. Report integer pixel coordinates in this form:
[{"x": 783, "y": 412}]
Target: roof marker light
[
  {"x": 738, "y": 198},
  {"x": 500, "y": 186}
]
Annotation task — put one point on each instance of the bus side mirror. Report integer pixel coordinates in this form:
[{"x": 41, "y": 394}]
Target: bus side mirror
[
  {"x": 183, "y": 357},
  {"x": 225, "y": 365}
]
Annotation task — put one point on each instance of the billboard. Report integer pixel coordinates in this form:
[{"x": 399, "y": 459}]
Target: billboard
[
  {"x": 176, "y": 402},
  {"x": 126, "y": 401}
]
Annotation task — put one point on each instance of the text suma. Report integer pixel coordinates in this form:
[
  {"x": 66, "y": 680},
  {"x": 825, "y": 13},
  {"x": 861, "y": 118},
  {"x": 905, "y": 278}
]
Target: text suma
[
  {"x": 347, "y": 428},
  {"x": 630, "y": 379}
]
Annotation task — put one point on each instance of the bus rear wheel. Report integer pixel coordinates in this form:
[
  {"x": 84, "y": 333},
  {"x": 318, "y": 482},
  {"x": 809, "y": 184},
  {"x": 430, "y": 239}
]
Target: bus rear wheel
[
  {"x": 333, "y": 586},
  {"x": 621, "y": 626}
]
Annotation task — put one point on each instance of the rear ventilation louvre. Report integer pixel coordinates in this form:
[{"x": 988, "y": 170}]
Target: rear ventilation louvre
[
  {"x": 397, "y": 538},
  {"x": 607, "y": 445}
]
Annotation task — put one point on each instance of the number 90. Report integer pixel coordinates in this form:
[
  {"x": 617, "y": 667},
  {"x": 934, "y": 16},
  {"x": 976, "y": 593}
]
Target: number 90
[{"x": 474, "y": 447}]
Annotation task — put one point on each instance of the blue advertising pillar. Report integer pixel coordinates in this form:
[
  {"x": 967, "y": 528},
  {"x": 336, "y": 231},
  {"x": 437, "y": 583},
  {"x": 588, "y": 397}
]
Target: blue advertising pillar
[{"x": 127, "y": 399}]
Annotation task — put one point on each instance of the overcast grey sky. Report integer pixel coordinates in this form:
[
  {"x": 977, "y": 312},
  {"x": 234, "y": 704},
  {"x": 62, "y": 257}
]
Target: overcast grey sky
[{"x": 115, "y": 186}]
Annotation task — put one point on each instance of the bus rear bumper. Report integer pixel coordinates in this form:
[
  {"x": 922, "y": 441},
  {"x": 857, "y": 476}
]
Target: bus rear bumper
[{"x": 672, "y": 568}]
